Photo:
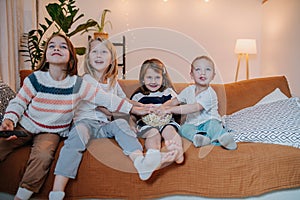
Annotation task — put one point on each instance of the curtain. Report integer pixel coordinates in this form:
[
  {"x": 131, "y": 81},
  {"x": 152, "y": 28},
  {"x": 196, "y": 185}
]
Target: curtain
[{"x": 14, "y": 16}]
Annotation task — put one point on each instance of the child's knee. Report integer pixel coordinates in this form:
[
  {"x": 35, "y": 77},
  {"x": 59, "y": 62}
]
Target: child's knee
[
  {"x": 42, "y": 155},
  {"x": 153, "y": 134},
  {"x": 187, "y": 128}
]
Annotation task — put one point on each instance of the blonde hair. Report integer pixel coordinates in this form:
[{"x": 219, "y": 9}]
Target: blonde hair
[
  {"x": 158, "y": 67},
  {"x": 203, "y": 58},
  {"x": 111, "y": 72}
]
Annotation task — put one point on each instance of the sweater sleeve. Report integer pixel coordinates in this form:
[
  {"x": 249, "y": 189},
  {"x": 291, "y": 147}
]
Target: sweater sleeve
[
  {"x": 19, "y": 104},
  {"x": 120, "y": 91},
  {"x": 99, "y": 97}
]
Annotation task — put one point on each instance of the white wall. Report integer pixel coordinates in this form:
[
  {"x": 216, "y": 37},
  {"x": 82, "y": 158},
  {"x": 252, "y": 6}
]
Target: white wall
[
  {"x": 176, "y": 31},
  {"x": 281, "y": 42}
]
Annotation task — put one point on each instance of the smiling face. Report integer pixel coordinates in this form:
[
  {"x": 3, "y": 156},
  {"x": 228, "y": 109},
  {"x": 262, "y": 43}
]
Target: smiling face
[
  {"x": 99, "y": 56},
  {"x": 152, "y": 80},
  {"x": 202, "y": 72},
  {"x": 57, "y": 52}
]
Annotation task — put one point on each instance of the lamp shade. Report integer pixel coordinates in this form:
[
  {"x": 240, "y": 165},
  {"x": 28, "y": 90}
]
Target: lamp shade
[{"x": 247, "y": 46}]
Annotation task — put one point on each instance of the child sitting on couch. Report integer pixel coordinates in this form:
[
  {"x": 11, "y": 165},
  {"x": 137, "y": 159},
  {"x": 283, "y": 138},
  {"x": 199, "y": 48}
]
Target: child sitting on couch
[{"x": 203, "y": 125}]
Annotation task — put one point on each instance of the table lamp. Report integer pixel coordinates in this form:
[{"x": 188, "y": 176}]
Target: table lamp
[{"x": 243, "y": 48}]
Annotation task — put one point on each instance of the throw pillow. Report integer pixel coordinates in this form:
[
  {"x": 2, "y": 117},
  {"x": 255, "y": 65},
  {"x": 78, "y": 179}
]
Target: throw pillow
[
  {"x": 6, "y": 94},
  {"x": 276, "y": 95},
  {"x": 277, "y": 123}
]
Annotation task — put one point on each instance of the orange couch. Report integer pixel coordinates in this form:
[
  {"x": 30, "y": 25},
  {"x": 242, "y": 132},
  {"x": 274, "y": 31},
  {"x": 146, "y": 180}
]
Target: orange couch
[{"x": 252, "y": 169}]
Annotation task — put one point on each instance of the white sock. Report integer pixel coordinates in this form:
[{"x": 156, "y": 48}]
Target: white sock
[
  {"x": 23, "y": 193},
  {"x": 56, "y": 195},
  {"x": 201, "y": 140},
  {"x": 227, "y": 141},
  {"x": 148, "y": 164}
]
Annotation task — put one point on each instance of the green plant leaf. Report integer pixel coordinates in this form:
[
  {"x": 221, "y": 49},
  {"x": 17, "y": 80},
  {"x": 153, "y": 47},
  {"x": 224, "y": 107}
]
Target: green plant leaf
[
  {"x": 83, "y": 27},
  {"x": 80, "y": 50},
  {"x": 62, "y": 16}
]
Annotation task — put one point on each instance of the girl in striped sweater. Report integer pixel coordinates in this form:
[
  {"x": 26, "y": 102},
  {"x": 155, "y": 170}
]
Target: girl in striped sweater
[
  {"x": 44, "y": 108},
  {"x": 157, "y": 88}
]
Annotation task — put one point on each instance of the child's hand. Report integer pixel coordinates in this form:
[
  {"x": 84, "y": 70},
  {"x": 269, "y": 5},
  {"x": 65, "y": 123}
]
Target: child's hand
[
  {"x": 150, "y": 105},
  {"x": 104, "y": 110},
  {"x": 132, "y": 124},
  {"x": 7, "y": 124},
  {"x": 141, "y": 110},
  {"x": 162, "y": 110}
]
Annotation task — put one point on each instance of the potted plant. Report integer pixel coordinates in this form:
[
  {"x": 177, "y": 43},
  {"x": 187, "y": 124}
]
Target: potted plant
[
  {"x": 63, "y": 16},
  {"x": 100, "y": 26}
]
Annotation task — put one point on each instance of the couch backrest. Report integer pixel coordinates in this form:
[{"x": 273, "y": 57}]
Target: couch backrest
[{"x": 232, "y": 96}]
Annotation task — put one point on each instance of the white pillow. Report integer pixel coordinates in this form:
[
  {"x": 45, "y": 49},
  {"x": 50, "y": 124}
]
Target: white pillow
[{"x": 276, "y": 95}]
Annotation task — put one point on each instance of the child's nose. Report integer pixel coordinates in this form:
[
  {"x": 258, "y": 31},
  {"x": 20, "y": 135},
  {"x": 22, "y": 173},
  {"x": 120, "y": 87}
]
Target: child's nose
[{"x": 56, "y": 48}]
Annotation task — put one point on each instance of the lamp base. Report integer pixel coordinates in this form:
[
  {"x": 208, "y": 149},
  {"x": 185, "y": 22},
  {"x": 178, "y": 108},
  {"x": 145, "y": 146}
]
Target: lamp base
[{"x": 238, "y": 66}]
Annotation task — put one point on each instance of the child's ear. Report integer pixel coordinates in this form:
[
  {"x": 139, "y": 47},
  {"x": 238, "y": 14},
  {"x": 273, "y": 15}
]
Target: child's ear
[{"x": 191, "y": 75}]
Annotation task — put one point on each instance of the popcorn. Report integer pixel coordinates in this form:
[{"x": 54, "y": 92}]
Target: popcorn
[{"x": 155, "y": 120}]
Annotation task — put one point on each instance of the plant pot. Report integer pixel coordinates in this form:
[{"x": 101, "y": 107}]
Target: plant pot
[{"x": 102, "y": 35}]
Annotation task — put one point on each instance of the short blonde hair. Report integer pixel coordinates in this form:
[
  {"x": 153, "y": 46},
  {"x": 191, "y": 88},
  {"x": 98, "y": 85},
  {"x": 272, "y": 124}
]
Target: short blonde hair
[{"x": 203, "y": 58}]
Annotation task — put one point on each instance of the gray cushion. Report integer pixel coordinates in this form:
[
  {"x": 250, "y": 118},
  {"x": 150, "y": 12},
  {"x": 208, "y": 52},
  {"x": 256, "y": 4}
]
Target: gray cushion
[
  {"x": 6, "y": 94},
  {"x": 276, "y": 123}
]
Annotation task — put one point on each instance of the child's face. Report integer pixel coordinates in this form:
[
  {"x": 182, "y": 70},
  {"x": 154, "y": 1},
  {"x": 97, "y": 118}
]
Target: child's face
[
  {"x": 58, "y": 51},
  {"x": 99, "y": 56},
  {"x": 152, "y": 80},
  {"x": 202, "y": 72}
]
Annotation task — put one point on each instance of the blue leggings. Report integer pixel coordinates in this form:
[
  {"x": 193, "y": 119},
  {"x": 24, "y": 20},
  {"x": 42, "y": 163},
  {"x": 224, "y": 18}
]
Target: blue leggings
[
  {"x": 71, "y": 153},
  {"x": 213, "y": 129}
]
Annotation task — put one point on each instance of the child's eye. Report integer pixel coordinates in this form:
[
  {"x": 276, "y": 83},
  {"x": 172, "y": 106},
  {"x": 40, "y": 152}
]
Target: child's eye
[
  {"x": 51, "y": 46},
  {"x": 208, "y": 69},
  {"x": 64, "y": 47}
]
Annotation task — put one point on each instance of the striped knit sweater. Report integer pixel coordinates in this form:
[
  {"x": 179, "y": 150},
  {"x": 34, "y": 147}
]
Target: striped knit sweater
[{"x": 46, "y": 105}]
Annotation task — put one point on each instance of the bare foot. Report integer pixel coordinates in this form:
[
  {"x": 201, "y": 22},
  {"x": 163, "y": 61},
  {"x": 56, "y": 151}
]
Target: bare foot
[
  {"x": 172, "y": 145},
  {"x": 205, "y": 150},
  {"x": 168, "y": 157}
]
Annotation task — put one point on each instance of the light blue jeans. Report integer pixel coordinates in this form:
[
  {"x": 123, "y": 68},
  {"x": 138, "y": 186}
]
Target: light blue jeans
[
  {"x": 71, "y": 153},
  {"x": 213, "y": 129}
]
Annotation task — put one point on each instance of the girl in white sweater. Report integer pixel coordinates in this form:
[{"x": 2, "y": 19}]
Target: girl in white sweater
[{"x": 90, "y": 121}]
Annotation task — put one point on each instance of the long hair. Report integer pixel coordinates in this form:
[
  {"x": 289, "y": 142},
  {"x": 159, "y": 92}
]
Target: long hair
[
  {"x": 111, "y": 72},
  {"x": 72, "y": 63},
  {"x": 158, "y": 67}
]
